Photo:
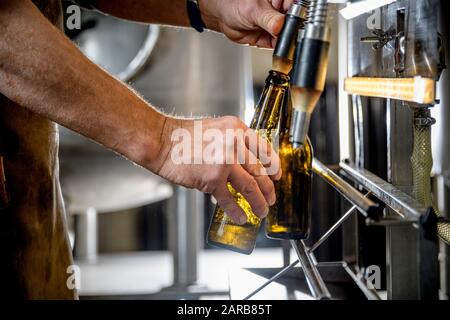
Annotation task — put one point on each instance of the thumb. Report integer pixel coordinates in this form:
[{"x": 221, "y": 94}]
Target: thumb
[{"x": 270, "y": 20}]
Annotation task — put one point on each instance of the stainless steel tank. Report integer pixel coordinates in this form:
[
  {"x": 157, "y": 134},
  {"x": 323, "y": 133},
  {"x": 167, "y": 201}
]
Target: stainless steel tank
[
  {"x": 188, "y": 74},
  {"x": 192, "y": 74}
]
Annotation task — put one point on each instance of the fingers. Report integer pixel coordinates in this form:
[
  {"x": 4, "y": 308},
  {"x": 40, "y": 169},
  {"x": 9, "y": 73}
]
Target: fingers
[
  {"x": 270, "y": 20},
  {"x": 226, "y": 201},
  {"x": 282, "y": 5},
  {"x": 265, "y": 184},
  {"x": 263, "y": 150},
  {"x": 247, "y": 185},
  {"x": 286, "y": 5},
  {"x": 265, "y": 40},
  {"x": 274, "y": 42},
  {"x": 276, "y": 4}
]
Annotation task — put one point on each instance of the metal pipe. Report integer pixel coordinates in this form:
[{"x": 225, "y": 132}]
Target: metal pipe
[
  {"x": 402, "y": 203},
  {"x": 275, "y": 277},
  {"x": 140, "y": 60},
  {"x": 315, "y": 282},
  {"x": 310, "y": 68},
  {"x": 334, "y": 227},
  {"x": 366, "y": 206},
  {"x": 283, "y": 54}
]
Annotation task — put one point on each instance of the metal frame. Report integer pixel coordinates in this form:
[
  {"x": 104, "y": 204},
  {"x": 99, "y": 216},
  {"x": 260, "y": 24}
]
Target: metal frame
[
  {"x": 306, "y": 256},
  {"x": 422, "y": 276},
  {"x": 412, "y": 254}
]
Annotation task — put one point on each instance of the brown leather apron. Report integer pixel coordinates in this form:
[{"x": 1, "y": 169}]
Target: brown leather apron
[{"x": 34, "y": 247}]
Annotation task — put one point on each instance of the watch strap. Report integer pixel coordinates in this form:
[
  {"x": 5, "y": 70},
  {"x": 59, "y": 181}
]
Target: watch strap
[{"x": 194, "y": 15}]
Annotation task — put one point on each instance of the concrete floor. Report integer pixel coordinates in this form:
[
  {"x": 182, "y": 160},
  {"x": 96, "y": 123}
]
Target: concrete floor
[{"x": 146, "y": 273}]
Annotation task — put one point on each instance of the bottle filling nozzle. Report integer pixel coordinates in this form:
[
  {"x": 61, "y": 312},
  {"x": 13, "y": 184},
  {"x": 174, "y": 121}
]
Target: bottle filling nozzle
[
  {"x": 295, "y": 19},
  {"x": 310, "y": 67}
]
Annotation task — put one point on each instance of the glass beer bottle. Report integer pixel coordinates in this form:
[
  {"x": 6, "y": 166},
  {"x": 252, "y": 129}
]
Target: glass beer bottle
[
  {"x": 289, "y": 217},
  {"x": 223, "y": 232}
]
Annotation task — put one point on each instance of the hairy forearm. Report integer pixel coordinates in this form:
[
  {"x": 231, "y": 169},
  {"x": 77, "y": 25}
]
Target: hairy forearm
[
  {"x": 40, "y": 69},
  {"x": 169, "y": 12}
]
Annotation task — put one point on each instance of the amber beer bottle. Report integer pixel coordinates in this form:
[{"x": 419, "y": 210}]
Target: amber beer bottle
[
  {"x": 223, "y": 232},
  {"x": 289, "y": 217}
]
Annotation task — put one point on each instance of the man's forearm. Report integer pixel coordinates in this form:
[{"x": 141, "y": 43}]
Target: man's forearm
[
  {"x": 170, "y": 12},
  {"x": 40, "y": 69}
]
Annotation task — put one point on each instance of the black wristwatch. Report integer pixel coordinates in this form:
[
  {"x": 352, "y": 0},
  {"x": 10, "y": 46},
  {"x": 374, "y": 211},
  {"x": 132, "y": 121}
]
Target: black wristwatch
[{"x": 194, "y": 15}]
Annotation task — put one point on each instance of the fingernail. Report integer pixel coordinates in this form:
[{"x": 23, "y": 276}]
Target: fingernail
[
  {"x": 242, "y": 219},
  {"x": 272, "y": 200},
  {"x": 265, "y": 213}
]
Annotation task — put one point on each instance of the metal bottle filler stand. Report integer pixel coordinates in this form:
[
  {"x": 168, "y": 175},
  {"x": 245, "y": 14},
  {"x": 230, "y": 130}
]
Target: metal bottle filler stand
[{"x": 412, "y": 246}]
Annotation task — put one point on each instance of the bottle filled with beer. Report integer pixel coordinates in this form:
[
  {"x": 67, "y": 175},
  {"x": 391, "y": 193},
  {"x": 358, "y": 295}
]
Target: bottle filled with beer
[
  {"x": 289, "y": 217},
  {"x": 223, "y": 232}
]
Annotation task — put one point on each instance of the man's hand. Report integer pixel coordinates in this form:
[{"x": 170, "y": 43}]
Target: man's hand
[
  {"x": 254, "y": 22},
  {"x": 206, "y": 154}
]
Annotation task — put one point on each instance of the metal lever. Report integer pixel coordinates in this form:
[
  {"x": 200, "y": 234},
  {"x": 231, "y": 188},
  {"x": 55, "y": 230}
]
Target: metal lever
[
  {"x": 315, "y": 282},
  {"x": 334, "y": 227},
  {"x": 365, "y": 205},
  {"x": 313, "y": 278},
  {"x": 406, "y": 206},
  {"x": 275, "y": 277}
]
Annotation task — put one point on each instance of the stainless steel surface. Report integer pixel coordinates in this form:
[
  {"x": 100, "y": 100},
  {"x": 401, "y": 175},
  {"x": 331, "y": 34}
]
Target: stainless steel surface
[
  {"x": 317, "y": 15},
  {"x": 322, "y": 33},
  {"x": 86, "y": 236},
  {"x": 299, "y": 9},
  {"x": 188, "y": 74},
  {"x": 346, "y": 130},
  {"x": 283, "y": 53},
  {"x": 310, "y": 66},
  {"x": 315, "y": 282},
  {"x": 193, "y": 74},
  {"x": 409, "y": 208},
  {"x": 355, "y": 197},
  {"x": 143, "y": 55},
  {"x": 108, "y": 183},
  {"x": 300, "y": 126},
  {"x": 94, "y": 184},
  {"x": 184, "y": 230},
  {"x": 412, "y": 261},
  {"x": 357, "y": 8},
  {"x": 358, "y": 125},
  {"x": 121, "y": 47}
]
